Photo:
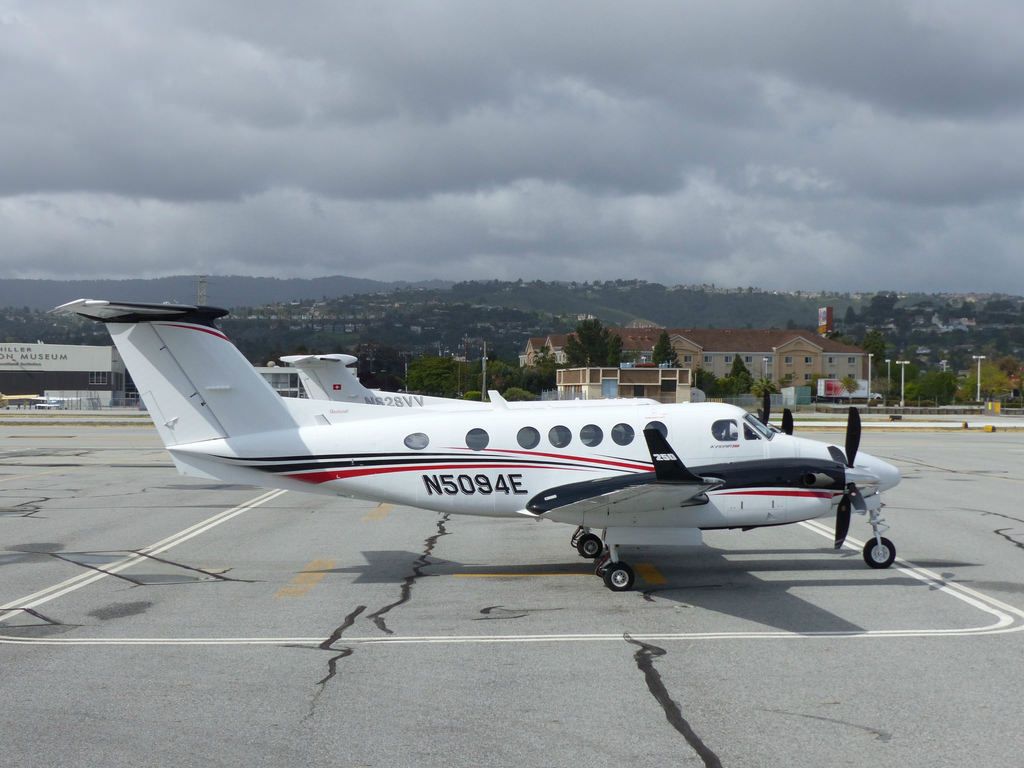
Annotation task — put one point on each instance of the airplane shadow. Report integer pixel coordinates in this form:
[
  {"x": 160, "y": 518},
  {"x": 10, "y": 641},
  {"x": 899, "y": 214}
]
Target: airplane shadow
[{"x": 745, "y": 584}]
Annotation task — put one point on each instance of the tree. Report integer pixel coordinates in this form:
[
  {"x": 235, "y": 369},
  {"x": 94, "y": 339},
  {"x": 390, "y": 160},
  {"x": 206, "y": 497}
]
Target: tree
[
  {"x": 513, "y": 394},
  {"x": 850, "y": 385},
  {"x": 937, "y": 386},
  {"x": 739, "y": 381},
  {"x": 762, "y": 386},
  {"x": 664, "y": 352},
  {"x": 874, "y": 344},
  {"x": 434, "y": 376},
  {"x": 592, "y": 345},
  {"x": 706, "y": 382}
]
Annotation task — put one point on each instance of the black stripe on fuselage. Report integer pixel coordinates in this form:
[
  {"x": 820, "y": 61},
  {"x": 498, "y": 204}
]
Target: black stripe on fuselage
[{"x": 349, "y": 461}]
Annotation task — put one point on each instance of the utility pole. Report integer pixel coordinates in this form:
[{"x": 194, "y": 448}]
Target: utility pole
[
  {"x": 870, "y": 355},
  {"x": 483, "y": 367}
]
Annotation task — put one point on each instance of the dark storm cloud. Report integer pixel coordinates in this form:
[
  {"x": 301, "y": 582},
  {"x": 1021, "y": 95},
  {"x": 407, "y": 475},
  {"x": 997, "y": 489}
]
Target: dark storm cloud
[{"x": 782, "y": 144}]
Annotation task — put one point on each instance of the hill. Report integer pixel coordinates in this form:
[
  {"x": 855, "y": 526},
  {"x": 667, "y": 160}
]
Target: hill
[{"x": 223, "y": 291}]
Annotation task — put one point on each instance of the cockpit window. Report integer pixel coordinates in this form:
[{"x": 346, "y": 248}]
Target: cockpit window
[
  {"x": 725, "y": 430},
  {"x": 752, "y": 422}
]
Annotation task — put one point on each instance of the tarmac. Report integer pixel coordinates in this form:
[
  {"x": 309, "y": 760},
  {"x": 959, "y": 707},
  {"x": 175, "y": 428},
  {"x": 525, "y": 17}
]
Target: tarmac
[{"x": 152, "y": 619}]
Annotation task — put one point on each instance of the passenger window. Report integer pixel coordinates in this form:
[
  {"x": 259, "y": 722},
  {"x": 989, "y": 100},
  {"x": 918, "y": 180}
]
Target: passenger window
[
  {"x": 622, "y": 434},
  {"x": 477, "y": 439},
  {"x": 658, "y": 426},
  {"x": 725, "y": 430},
  {"x": 417, "y": 441},
  {"x": 591, "y": 435},
  {"x": 750, "y": 434},
  {"x": 528, "y": 437},
  {"x": 560, "y": 436}
]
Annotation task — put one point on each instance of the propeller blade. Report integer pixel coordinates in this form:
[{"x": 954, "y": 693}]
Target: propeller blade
[
  {"x": 787, "y": 421},
  {"x": 857, "y": 498},
  {"x": 842, "y": 520},
  {"x": 766, "y": 407},
  {"x": 852, "y": 436}
]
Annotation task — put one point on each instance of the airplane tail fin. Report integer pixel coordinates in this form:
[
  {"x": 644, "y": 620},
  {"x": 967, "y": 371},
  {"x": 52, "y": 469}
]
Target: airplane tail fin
[
  {"x": 194, "y": 381},
  {"x": 328, "y": 377}
]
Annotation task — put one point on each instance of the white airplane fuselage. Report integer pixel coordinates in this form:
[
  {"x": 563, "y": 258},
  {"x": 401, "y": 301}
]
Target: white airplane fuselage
[{"x": 366, "y": 456}]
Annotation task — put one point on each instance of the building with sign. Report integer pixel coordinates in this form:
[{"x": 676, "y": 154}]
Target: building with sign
[
  {"x": 786, "y": 357},
  {"x": 79, "y": 376}
]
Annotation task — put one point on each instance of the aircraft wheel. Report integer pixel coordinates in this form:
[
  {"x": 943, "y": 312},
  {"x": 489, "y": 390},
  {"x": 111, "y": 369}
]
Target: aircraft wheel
[
  {"x": 618, "y": 577},
  {"x": 590, "y": 546},
  {"x": 879, "y": 555}
]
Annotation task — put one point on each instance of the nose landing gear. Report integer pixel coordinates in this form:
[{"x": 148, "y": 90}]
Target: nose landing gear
[{"x": 879, "y": 552}]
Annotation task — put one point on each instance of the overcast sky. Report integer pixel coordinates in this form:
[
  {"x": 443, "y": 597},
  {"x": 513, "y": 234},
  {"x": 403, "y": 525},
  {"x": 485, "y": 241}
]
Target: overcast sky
[{"x": 840, "y": 145}]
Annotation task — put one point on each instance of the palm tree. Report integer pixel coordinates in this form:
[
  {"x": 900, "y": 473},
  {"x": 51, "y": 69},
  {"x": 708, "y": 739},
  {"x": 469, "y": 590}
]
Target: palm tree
[
  {"x": 761, "y": 386},
  {"x": 850, "y": 385}
]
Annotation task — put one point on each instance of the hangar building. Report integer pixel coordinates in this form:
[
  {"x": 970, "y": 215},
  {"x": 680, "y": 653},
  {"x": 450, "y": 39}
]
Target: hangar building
[{"x": 79, "y": 376}]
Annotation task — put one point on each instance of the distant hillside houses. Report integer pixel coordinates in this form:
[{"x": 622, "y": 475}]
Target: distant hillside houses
[{"x": 784, "y": 356}]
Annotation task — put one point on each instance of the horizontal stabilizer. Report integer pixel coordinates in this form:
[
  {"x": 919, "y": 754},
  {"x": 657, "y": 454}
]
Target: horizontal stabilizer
[
  {"x": 136, "y": 312},
  {"x": 310, "y": 361}
]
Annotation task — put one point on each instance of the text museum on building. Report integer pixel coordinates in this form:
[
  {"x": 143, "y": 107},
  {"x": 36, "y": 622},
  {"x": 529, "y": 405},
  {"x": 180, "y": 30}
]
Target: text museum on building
[{"x": 81, "y": 376}]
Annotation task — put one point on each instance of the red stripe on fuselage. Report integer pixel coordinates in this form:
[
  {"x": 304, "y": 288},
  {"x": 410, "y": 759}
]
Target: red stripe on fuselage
[{"x": 344, "y": 474}]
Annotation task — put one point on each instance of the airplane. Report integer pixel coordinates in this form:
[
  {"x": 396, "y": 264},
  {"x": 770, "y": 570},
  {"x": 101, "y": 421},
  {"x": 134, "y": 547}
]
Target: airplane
[
  {"x": 331, "y": 377},
  {"x": 612, "y": 468}
]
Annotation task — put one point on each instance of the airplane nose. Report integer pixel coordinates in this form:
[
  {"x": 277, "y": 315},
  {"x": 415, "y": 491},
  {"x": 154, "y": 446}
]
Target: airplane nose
[{"x": 888, "y": 475}]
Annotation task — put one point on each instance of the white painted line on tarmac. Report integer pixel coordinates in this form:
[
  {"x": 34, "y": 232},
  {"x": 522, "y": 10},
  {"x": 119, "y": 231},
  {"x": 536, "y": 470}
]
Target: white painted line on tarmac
[
  {"x": 972, "y": 597},
  {"x": 8, "y": 610}
]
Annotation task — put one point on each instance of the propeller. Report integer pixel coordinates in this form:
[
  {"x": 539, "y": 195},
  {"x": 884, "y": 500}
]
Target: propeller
[
  {"x": 852, "y": 498},
  {"x": 765, "y": 411},
  {"x": 787, "y": 421}
]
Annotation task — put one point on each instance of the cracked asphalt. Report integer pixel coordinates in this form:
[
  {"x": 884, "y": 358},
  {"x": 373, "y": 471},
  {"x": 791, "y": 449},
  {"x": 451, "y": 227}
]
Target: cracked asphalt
[{"x": 308, "y": 630}]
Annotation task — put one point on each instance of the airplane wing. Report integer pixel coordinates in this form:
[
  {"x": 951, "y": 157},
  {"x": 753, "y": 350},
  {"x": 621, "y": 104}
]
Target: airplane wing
[{"x": 670, "y": 486}]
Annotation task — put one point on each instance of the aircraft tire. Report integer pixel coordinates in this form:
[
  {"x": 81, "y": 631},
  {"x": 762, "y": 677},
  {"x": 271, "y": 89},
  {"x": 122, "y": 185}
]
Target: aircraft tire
[
  {"x": 590, "y": 546},
  {"x": 879, "y": 556},
  {"x": 618, "y": 577}
]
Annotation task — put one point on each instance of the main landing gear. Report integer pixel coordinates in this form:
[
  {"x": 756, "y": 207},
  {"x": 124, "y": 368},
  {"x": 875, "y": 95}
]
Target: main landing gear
[
  {"x": 617, "y": 575},
  {"x": 879, "y": 552},
  {"x": 587, "y": 544}
]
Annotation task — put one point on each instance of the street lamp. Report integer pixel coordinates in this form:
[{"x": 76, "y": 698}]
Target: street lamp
[
  {"x": 867, "y": 400},
  {"x": 903, "y": 371},
  {"x": 888, "y": 378},
  {"x": 979, "y": 358},
  {"x": 764, "y": 367}
]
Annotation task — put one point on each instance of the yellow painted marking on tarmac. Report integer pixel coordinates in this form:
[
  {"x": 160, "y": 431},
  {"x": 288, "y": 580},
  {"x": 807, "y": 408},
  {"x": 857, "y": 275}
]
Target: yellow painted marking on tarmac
[
  {"x": 306, "y": 579},
  {"x": 377, "y": 513},
  {"x": 649, "y": 573},
  {"x": 516, "y": 575},
  {"x": 34, "y": 474}
]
